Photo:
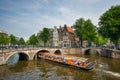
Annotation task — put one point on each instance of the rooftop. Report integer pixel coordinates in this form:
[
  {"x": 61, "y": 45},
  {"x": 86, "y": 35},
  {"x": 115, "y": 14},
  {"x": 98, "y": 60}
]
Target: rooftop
[{"x": 69, "y": 29}]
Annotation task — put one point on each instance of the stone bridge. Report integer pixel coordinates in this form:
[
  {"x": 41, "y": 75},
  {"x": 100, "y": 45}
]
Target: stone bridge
[
  {"x": 29, "y": 54},
  {"x": 89, "y": 51},
  {"x": 105, "y": 52}
]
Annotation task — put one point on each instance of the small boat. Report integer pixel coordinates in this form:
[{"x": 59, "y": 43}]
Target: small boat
[{"x": 79, "y": 62}]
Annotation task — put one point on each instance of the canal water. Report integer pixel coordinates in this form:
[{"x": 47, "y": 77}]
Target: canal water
[{"x": 105, "y": 69}]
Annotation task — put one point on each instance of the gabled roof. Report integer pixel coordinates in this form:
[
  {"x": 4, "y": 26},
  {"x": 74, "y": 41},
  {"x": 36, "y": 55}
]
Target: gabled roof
[{"x": 70, "y": 29}]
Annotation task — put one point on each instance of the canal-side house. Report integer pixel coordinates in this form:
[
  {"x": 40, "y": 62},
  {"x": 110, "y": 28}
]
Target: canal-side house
[
  {"x": 66, "y": 37},
  {"x": 4, "y": 33},
  {"x": 60, "y": 36},
  {"x": 53, "y": 42},
  {"x": 51, "y": 37}
]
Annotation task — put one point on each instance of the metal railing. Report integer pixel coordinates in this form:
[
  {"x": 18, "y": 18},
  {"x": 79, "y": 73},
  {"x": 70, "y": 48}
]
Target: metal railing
[
  {"x": 20, "y": 47},
  {"x": 4, "y": 48}
]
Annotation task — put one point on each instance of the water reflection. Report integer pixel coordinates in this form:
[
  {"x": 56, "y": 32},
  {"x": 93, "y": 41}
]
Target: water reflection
[
  {"x": 45, "y": 70},
  {"x": 19, "y": 67},
  {"x": 105, "y": 69},
  {"x": 13, "y": 59}
]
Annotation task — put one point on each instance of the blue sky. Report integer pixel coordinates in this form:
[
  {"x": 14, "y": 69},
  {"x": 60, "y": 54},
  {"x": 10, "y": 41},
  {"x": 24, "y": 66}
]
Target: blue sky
[{"x": 26, "y": 17}]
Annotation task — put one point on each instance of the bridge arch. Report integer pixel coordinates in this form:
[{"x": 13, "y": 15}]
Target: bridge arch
[
  {"x": 40, "y": 51},
  {"x": 58, "y": 52},
  {"x": 43, "y": 51},
  {"x": 91, "y": 52},
  {"x": 22, "y": 56}
]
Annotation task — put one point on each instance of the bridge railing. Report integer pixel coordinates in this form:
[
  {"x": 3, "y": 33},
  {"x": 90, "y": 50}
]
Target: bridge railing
[
  {"x": 21, "y": 47},
  {"x": 6, "y": 48}
]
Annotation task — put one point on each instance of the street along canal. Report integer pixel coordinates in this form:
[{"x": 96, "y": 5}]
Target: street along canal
[{"x": 105, "y": 69}]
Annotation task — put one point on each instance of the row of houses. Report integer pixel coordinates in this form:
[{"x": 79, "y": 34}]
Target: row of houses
[
  {"x": 62, "y": 37},
  {"x": 65, "y": 37},
  {"x": 4, "y": 33}
]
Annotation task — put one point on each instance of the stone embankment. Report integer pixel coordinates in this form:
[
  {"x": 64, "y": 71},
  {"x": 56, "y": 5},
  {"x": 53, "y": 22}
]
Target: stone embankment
[
  {"x": 111, "y": 53},
  {"x": 72, "y": 51}
]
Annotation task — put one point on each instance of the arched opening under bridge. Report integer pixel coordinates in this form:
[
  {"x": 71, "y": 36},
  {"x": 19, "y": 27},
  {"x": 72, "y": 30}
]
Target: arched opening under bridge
[
  {"x": 12, "y": 59},
  {"x": 58, "y": 52},
  {"x": 23, "y": 56},
  {"x": 40, "y": 52},
  {"x": 91, "y": 52}
]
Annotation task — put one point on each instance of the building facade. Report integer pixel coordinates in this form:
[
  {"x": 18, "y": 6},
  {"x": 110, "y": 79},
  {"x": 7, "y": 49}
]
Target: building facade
[
  {"x": 63, "y": 37},
  {"x": 53, "y": 42},
  {"x": 67, "y": 37},
  {"x": 4, "y": 33}
]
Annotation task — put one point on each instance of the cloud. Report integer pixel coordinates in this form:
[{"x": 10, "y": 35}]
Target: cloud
[
  {"x": 71, "y": 15},
  {"x": 25, "y": 17},
  {"x": 89, "y": 1}
]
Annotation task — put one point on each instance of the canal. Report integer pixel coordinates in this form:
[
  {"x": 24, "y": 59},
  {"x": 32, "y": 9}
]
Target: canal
[{"x": 105, "y": 69}]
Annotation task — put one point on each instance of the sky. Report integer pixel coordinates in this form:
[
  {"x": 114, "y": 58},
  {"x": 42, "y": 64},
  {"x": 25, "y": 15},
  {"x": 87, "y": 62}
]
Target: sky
[{"x": 23, "y": 18}]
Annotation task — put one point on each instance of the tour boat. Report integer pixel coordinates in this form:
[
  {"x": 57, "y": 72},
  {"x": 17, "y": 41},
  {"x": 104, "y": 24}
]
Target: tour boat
[{"x": 79, "y": 62}]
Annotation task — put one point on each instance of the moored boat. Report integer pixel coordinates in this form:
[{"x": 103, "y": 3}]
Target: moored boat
[{"x": 79, "y": 62}]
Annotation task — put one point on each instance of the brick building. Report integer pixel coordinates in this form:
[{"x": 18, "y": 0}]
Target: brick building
[{"x": 67, "y": 37}]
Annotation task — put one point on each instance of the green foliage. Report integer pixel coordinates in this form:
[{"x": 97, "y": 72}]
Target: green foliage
[
  {"x": 85, "y": 30},
  {"x": 90, "y": 30},
  {"x": 39, "y": 38},
  {"x": 21, "y": 41},
  {"x": 44, "y": 35},
  {"x": 99, "y": 40},
  {"x": 79, "y": 28},
  {"x": 13, "y": 40},
  {"x": 119, "y": 41},
  {"x": 4, "y": 40},
  {"x": 27, "y": 42},
  {"x": 110, "y": 24},
  {"x": 32, "y": 40}
]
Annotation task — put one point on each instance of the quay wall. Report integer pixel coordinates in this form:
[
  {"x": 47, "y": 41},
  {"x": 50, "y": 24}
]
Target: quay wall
[
  {"x": 72, "y": 51},
  {"x": 110, "y": 53}
]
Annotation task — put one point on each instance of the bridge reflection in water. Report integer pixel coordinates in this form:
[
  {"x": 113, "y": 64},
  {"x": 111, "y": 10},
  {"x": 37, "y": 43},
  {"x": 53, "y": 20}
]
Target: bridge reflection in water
[
  {"x": 13, "y": 59},
  {"x": 16, "y": 57}
]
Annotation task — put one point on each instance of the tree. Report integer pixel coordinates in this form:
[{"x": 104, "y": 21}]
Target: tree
[
  {"x": 110, "y": 24},
  {"x": 44, "y": 35},
  {"x": 4, "y": 40},
  {"x": 21, "y": 41},
  {"x": 100, "y": 40},
  {"x": 27, "y": 42},
  {"x": 13, "y": 40},
  {"x": 32, "y": 40},
  {"x": 90, "y": 30},
  {"x": 85, "y": 30},
  {"x": 39, "y": 38}
]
